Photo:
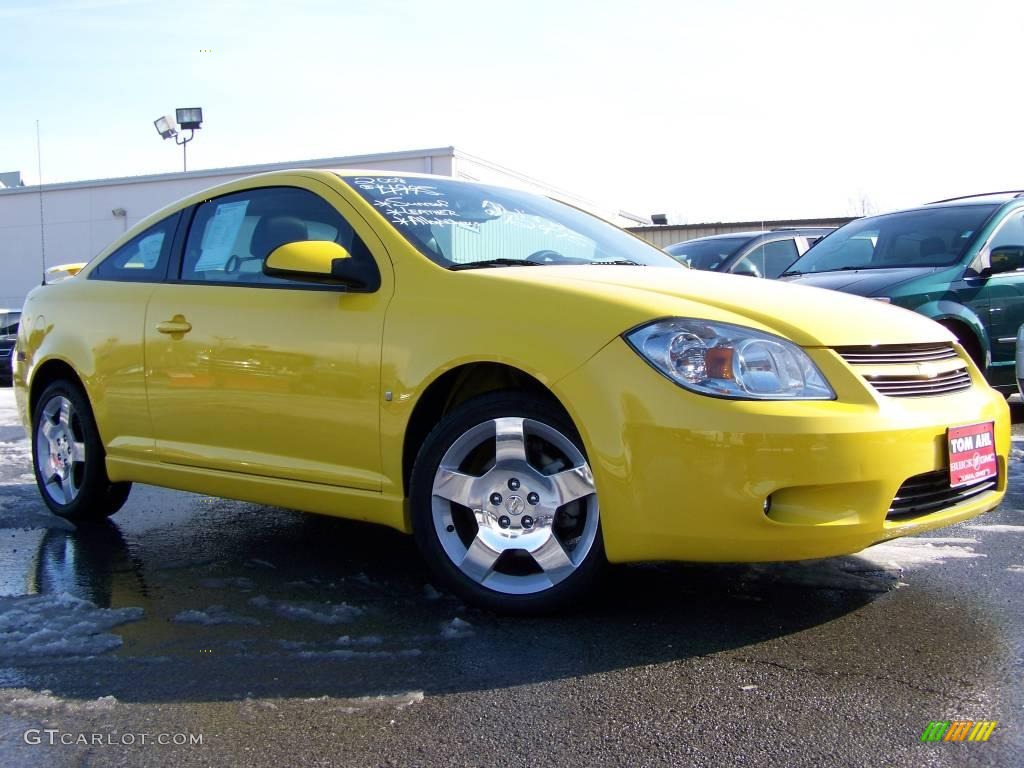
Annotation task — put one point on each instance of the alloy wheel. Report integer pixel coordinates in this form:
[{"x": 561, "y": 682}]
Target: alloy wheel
[
  {"x": 60, "y": 450},
  {"x": 514, "y": 505}
]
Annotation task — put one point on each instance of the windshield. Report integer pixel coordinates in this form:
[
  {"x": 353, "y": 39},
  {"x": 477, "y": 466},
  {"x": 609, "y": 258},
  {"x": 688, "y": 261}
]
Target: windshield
[
  {"x": 9, "y": 323},
  {"x": 459, "y": 224},
  {"x": 706, "y": 254},
  {"x": 934, "y": 237}
]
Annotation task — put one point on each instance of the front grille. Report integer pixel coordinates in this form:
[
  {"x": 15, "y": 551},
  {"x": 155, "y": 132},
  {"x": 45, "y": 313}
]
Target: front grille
[
  {"x": 921, "y": 386},
  {"x": 930, "y": 492},
  {"x": 909, "y": 370},
  {"x": 894, "y": 354}
]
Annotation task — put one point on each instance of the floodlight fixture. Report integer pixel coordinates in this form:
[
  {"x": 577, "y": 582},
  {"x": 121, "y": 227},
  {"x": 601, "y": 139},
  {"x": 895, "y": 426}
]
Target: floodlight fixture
[
  {"x": 165, "y": 126},
  {"x": 189, "y": 118},
  {"x": 185, "y": 119}
]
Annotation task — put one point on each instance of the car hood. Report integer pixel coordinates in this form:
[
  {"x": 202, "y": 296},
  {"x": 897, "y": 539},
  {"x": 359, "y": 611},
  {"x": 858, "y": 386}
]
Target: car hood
[
  {"x": 621, "y": 297},
  {"x": 862, "y": 282}
]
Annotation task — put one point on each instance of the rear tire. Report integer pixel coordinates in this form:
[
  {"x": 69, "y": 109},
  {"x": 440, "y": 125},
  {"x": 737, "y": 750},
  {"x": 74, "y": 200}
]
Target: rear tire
[
  {"x": 68, "y": 457},
  {"x": 504, "y": 507}
]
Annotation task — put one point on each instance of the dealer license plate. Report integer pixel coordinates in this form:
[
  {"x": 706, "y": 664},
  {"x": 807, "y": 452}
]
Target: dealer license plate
[{"x": 972, "y": 453}]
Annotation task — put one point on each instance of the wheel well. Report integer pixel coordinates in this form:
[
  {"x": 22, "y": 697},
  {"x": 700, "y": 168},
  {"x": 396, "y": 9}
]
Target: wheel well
[
  {"x": 49, "y": 372},
  {"x": 967, "y": 338},
  {"x": 455, "y": 387}
]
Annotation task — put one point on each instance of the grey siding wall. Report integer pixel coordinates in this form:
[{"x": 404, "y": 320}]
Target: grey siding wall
[{"x": 667, "y": 235}]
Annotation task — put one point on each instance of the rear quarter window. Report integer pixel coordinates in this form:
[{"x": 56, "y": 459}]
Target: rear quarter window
[{"x": 142, "y": 259}]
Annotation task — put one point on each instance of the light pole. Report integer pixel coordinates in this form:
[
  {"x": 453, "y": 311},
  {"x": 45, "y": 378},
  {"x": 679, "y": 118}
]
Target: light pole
[{"x": 186, "y": 119}]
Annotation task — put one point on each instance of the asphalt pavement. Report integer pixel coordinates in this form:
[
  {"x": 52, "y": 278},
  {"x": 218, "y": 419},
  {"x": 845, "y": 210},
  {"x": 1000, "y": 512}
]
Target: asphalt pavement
[{"x": 200, "y": 631}]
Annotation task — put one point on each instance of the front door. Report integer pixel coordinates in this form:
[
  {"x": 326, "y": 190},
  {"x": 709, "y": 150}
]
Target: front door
[
  {"x": 259, "y": 375},
  {"x": 1005, "y": 293}
]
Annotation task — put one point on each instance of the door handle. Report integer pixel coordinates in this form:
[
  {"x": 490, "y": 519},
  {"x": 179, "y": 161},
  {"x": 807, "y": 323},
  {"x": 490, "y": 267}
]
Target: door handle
[{"x": 177, "y": 324}]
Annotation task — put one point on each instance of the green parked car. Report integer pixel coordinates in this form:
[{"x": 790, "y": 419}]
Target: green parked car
[{"x": 958, "y": 261}]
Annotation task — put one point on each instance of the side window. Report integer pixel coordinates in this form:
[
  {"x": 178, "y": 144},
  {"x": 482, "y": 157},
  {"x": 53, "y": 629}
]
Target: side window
[
  {"x": 1010, "y": 233},
  {"x": 768, "y": 260},
  {"x": 231, "y": 235},
  {"x": 143, "y": 259}
]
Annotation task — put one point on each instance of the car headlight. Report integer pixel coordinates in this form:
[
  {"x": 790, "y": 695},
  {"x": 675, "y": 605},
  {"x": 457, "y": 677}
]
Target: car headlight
[{"x": 725, "y": 360}]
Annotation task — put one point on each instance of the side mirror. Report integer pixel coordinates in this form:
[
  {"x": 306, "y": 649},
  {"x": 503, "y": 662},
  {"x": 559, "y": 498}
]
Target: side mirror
[
  {"x": 321, "y": 261},
  {"x": 1006, "y": 258}
]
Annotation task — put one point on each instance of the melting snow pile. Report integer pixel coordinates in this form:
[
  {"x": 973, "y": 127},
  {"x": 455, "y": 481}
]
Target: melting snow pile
[{"x": 58, "y": 625}]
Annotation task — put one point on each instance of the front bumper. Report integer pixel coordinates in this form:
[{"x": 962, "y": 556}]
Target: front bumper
[{"x": 682, "y": 476}]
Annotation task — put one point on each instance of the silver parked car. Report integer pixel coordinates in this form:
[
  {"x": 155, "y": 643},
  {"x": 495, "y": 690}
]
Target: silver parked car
[{"x": 1020, "y": 361}]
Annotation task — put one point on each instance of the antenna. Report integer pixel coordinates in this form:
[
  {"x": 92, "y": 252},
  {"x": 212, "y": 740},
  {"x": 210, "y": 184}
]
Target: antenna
[{"x": 42, "y": 229}]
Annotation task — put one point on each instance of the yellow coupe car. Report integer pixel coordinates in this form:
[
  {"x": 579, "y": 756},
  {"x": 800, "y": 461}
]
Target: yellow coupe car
[{"x": 527, "y": 389}]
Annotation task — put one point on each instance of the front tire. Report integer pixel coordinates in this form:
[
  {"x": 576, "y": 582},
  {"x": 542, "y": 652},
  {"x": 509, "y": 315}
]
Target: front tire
[
  {"x": 68, "y": 457},
  {"x": 504, "y": 507}
]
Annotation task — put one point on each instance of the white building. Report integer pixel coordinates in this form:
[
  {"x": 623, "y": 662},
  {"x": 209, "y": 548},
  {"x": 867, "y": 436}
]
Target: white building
[{"x": 73, "y": 221}]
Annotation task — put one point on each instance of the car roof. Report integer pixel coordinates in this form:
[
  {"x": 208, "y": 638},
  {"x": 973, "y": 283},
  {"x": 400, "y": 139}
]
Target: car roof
[
  {"x": 751, "y": 234},
  {"x": 994, "y": 202},
  {"x": 1003, "y": 196}
]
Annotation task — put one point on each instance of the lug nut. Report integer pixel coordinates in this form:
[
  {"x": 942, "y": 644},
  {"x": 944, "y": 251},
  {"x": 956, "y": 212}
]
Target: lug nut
[
  {"x": 533, "y": 498},
  {"x": 450, "y": 528},
  {"x": 527, "y": 521},
  {"x": 504, "y": 522},
  {"x": 513, "y": 484},
  {"x": 495, "y": 499}
]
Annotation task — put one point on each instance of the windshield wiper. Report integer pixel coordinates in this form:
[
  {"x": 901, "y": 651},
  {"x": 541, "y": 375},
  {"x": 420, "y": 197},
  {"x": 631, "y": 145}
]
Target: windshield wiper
[
  {"x": 495, "y": 263},
  {"x": 617, "y": 262},
  {"x": 790, "y": 273}
]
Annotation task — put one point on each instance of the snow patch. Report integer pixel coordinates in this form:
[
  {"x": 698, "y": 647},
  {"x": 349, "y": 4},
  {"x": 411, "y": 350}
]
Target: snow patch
[
  {"x": 347, "y": 641},
  {"x": 456, "y": 629},
  {"x": 1016, "y": 569},
  {"x": 58, "y": 625},
  {"x": 911, "y": 552},
  {"x": 8, "y": 408},
  {"x": 396, "y": 701},
  {"x": 997, "y": 528},
  {"x": 25, "y": 701},
  {"x": 214, "y": 615},
  {"x": 322, "y": 613}
]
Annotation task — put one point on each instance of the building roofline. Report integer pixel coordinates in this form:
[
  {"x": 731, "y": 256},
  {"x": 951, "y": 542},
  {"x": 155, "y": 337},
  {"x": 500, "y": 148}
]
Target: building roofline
[
  {"x": 763, "y": 225},
  {"x": 244, "y": 170}
]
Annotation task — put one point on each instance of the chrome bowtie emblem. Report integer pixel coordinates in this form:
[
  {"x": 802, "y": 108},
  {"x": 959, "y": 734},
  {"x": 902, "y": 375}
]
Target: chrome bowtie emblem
[{"x": 515, "y": 505}]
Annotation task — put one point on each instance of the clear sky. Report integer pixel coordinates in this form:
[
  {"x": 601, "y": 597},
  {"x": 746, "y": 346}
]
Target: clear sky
[{"x": 705, "y": 110}]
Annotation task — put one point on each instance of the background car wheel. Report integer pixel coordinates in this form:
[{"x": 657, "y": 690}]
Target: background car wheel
[
  {"x": 504, "y": 506},
  {"x": 68, "y": 457},
  {"x": 966, "y": 339}
]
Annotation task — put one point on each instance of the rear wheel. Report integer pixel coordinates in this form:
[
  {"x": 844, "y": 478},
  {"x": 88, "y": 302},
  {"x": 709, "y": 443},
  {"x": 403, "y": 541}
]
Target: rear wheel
[
  {"x": 68, "y": 457},
  {"x": 504, "y": 506}
]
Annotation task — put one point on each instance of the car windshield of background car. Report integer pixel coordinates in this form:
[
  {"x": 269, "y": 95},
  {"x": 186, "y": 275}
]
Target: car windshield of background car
[
  {"x": 934, "y": 237},
  {"x": 706, "y": 254}
]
